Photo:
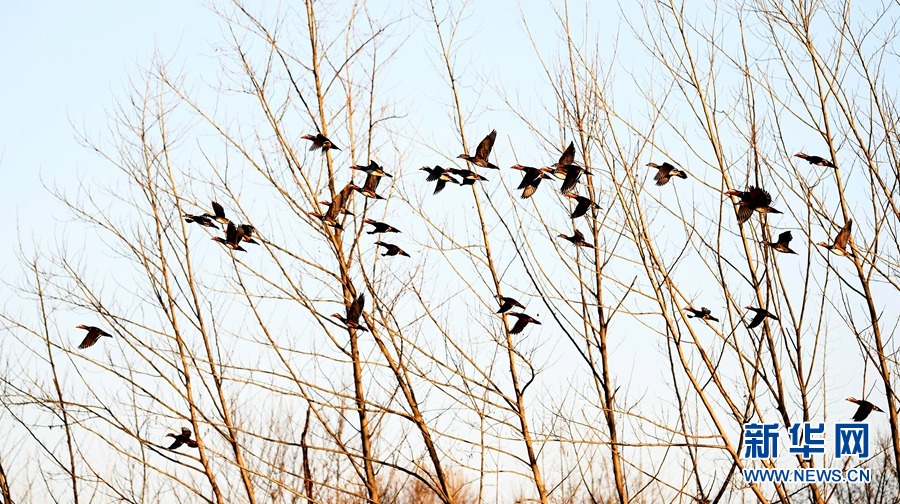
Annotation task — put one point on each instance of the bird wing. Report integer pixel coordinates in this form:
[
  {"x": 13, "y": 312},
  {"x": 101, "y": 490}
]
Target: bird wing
[
  {"x": 520, "y": 324},
  {"x": 743, "y": 213},
  {"x": 434, "y": 173},
  {"x": 91, "y": 338},
  {"x": 231, "y": 233},
  {"x": 572, "y": 175},
  {"x": 441, "y": 184},
  {"x": 861, "y": 412},
  {"x": 577, "y": 236},
  {"x": 356, "y": 308},
  {"x": 185, "y": 432},
  {"x": 843, "y": 237},
  {"x": 218, "y": 211},
  {"x": 758, "y": 198},
  {"x": 371, "y": 183},
  {"x": 484, "y": 148},
  {"x": 568, "y": 155},
  {"x": 581, "y": 208},
  {"x": 785, "y": 237},
  {"x": 757, "y": 319},
  {"x": 175, "y": 444},
  {"x": 662, "y": 175}
]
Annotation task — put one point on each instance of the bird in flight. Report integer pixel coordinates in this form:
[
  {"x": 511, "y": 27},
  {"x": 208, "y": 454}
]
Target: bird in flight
[
  {"x": 582, "y": 205},
  {"x": 753, "y": 199},
  {"x": 522, "y": 322},
  {"x": 508, "y": 303},
  {"x": 390, "y": 249},
  {"x": 531, "y": 179},
  {"x": 666, "y": 171},
  {"x": 92, "y": 337},
  {"x": 482, "y": 152},
  {"x": 703, "y": 313},
  {"x": 319, "y": 141},
  {"x": 865, "y": 407},
  {"x": 760, "y": 315},
  {"x": 577, "y": 238},
  {"x": 782, "y": 245},
  {"x": 354, "y": 312},
  {"x": 233, "y": 238},
  {"x": 841, "y": 241},
  {"x": 184, "y": 438},
  {"x": 815, "y": 160}
]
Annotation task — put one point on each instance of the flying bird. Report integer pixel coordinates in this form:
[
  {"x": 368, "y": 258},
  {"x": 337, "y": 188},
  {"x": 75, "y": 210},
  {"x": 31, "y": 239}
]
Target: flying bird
[
  {"x": 841, "y": 241},
  {"x": 566, "y": 170},
  {"x": 815, "y": 160},
  {"x": 335, "y": 208},
  {"x": 578, "y": 239},
  {"x": 508, "y": 303},
  {"x": 782, "y": 245},
  {"x": 247, "y": 231},
  {"x": 354, "y": 311},
  {"x": 666, "y": 171},
  {"x": 468, "y": 176},
  {"x": 760, "y": 315},
  {"x": 865, "y": 407},
  {"x": 380, "y": 227},
  {"x": 582, "y": 205},
  {"x": 372, "y": 168},
  {"x": 92, "y": 337},
  {"x": 319, "y": 141},
  {"x": 531, "y": 178},
  {"x": 522, "y": 322},
  {"x": 182, "y": 439},
  {"x": 233, "y": 238},
  {"x": 753, "y": 199},
  {"x": 440, "y": 175},
  {"x": 218, "y": 214},
  {"x": 203, "y": 220},
  {"x": 390, "y": 249},
  {"x": 368, "y": 189},
  {"x": 482, "y": 152},
  {"x": 703, "y": 313}
]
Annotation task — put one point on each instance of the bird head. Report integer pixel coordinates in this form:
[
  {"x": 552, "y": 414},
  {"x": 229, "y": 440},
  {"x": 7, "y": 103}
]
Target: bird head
[
  {"x": 518, "y": 167},
  {"x": 571, "y": 195},
  {"x": 462, "y": 156},
  {"x": 368, "y": 221},
  {"x": 733, "y": 192},
  {"x": 653, "y": 165},
  {"x": 823, "y": 244},
  {"x": 337, "y": 316},
  {"x": 749, "y": 308},
  {"x": 308, "y": 137},
  {"x": 853, "y": 399},
  {"x": 82, "y": 326},
  {"x": 170, "y": 435},
  {"x": 800, "y": 155}
]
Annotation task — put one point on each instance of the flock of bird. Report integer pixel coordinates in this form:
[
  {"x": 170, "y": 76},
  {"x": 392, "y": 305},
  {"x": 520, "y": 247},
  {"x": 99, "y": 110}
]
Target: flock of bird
[{"x": 754, "y": 199}]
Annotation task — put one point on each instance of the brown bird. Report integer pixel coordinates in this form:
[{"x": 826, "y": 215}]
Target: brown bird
[
  {"x": 753, "y": 199},
  {"x": 335, "y": 208},
  {"x": 522, "y": 321},
  {"x": 815, "y": 160},
  {"x": 468, "y": 176},
  {"x": 380, "y": 227},
  {"x": 93, "y": 336},
  {"x": 703, "y": 313},
  {"x": 582, "y": 205},
  {"x": 440, "y": 175},
  {"x": 218, "y": 214},
  {"x": 784, "y": 239},
  {"x": 368, "y": 189},
  {"x": 354, "y": 311},
  {"x": 319, "y": 142},
  {"x": 233, "y": 238},
  {"x": 530, "y": 180},
  {"x": 865, "y": 407},
  {"x": 566, "y": 169},
  {"x": 508, "y": 303},
  {"x": 578, "y": 239},
  {"x": 344, "y": 211},
  {"x": 761, "y": 315},
  {"x": 482, "y": 152},
  {"x": 391, "y": 250},
  {"x": 203, "y": 220},
  {"x": 372, "y": 168},
  {"x": 247, "y": 231},
  {"x": 841, "y": 241},
  {"x": 182, "y": 439},
  {"x": 666, "y": 171}
]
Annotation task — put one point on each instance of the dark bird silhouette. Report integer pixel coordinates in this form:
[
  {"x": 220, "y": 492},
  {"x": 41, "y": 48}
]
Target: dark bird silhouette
[
  {"x": 566, "y": 169},
  {"x": 666, "y": 171},
  {"x": 380, "y": 227},
  {"x": 784, "y": 239},
  {"x": 335, "y": 208},
  {"x": 468, "y": 176},
  {"x": 182, "y": 439},
  {"x": 372, "y": 168},
  {"x": 760, "y": 315},
  {"x": 439, "y": 175},
  {"x": 531, "y": 179},
  {"x": 508, "y": 303},
  {"x": 703, "y": 313},
  {"x": 343, "y": 211},
  {"x": 521, "y": 322},
  {"x": 319, "y": 141},
  {"x": 233, "y": 238},
  {"x": 841, "y": 241},
  {"x": 578, "y": 239},
  {"x": 390, "y": 249},
  {"x": 247, "y": 231},
  {"x": 482, "y": 152},
  {"x": 753, "y": 199},
  {"x": 865, "y": 407},
  {"x": 354, "y": 311},
  {"x": 368, "y": 189},
  {"x": 582, "y": 205},
  {"x": 92, "y": 337},
  {"x": 815, "y": 160},
  {"x": 204, "y": 220},
  {"x": 218, "y": 214}
]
